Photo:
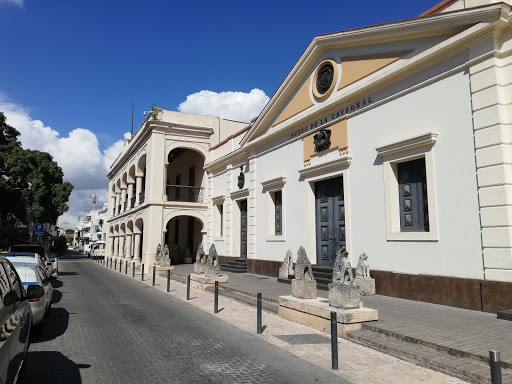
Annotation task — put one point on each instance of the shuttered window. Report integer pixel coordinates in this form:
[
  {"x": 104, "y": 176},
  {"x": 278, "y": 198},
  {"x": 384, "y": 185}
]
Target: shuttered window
[
  {"x": 412, "y": 184},
  {"x": 278, "y": 202}
]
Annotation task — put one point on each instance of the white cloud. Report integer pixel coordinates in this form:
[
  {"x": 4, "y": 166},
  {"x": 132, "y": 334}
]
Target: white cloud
[
  {"x": 14, "y": 2},
  {"x": 79, "y": 156},
  {"x": 238, "y": 106}
]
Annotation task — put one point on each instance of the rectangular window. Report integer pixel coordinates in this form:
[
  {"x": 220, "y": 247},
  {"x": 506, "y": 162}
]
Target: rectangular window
[
  {"x": 413, "y": 199},
  {"x": 278, "y": 204}
]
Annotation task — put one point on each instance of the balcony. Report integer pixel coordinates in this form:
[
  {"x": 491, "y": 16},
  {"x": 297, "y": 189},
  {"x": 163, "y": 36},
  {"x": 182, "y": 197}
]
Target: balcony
[
  {"x": 132, "y": 202},
  {"x": 119, "y": 209},
  {"x": 125, "y": 205},
  {"x": 141, "y": 197},
  {"x": 184, "y": 193}
]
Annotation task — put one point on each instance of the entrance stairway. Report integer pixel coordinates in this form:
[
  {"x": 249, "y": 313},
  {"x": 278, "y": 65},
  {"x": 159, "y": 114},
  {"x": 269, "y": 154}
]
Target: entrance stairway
[
  {"x": 323, "y": 276},
  {"x": 235, "y": 266}
]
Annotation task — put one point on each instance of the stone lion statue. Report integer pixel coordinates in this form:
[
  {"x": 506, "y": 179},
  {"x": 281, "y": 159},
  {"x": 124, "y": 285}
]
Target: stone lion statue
[
  {"x": 212, "y": 264},
  {"x": 200, "y": 264},
  {"x": 166, "y": 259},
  {"x": 158, "y": 254},
  {"x": 342, "y": 270},
  {"x": 303, "y": 268},
  {"x": 363, "y": 268}
]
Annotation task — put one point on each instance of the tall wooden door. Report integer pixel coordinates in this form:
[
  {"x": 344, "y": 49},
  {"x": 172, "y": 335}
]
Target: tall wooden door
[
  {"x": 330, "y": 220},
  {"x": 243, "y": 229}
]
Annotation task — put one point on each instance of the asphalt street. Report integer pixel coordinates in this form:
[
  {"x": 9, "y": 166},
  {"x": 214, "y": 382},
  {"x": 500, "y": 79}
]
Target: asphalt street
[{"x": 106, "y": 328}]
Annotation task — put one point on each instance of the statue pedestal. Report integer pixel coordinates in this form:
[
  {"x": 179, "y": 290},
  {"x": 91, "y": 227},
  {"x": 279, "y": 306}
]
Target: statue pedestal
[
  {"x": 202, "y": 282},
  {"x": 366, "y": 285},
  {"x": 199, "y": 269},
  {"x": 304, "y": 289},
  {"x": 316, "y": 313},
  {"x": 344, "y": 296},
  {"x": 162, "y": 271}
]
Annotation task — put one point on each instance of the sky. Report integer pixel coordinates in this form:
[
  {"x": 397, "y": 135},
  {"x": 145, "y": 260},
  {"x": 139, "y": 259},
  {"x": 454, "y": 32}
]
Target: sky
[{"x": 70, "y": 70}]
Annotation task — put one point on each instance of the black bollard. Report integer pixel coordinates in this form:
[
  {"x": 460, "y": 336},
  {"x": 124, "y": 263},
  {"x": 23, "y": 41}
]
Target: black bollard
[
  {"x": 216, "y": 300},
  {"x": 154, "y": 274},
  {"x": 188, "y": 286},
  {"x": 133, "y": 269},
  {"x": 142, "y": 273},
  {"x": 126, "y": 267},
  {"x": 334, "y": 341},
  {"x": 168, "y": 280},
  {"x": 259, "y": 328},
  {"x": 120, "y": 266},
  {"x": 495, "y": 364},
  {"x": 115, "y": 265}
]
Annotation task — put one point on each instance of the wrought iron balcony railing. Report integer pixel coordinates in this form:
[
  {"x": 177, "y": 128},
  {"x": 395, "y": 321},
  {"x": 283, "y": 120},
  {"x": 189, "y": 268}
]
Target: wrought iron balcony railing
[
  {"x": 125, "y": 205},
  {"x": 141, "y": 197},
  {"x": 184, "y": 193},
  {"x": 132, "y": 201}
]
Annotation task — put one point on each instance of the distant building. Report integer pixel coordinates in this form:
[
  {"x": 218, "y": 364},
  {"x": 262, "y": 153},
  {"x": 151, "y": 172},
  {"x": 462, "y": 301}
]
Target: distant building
[
  {"x": 393, "y": 140},
  {"x": 90, "y": 229}
]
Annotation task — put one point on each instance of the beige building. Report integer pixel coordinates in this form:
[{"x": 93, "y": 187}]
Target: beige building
[
  {"x": 393, "y": 140},
  {"x": 158, "y": 187}
]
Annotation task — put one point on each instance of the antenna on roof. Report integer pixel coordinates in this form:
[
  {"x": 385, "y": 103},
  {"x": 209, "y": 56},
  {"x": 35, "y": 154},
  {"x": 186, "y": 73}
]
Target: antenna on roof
[{"x": 132, "y": 119}]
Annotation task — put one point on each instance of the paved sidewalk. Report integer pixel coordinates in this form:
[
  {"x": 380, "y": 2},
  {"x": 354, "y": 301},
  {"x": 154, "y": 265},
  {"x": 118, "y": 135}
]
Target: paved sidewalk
[
  {"x": 358, "y": 364},
  {"x": 458, "y": 332}
]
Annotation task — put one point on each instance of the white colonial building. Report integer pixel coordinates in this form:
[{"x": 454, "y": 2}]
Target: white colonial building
[{"x": 393, "y": 140}]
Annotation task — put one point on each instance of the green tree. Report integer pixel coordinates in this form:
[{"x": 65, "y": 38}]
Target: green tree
[
  {"x": 31, "y": 183},
  {"x": 60, "y": 245}
]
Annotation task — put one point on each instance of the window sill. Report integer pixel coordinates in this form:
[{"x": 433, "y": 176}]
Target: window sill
[
  {"x": 412, "y": 236},
  {"x": 276, "y": 238}
]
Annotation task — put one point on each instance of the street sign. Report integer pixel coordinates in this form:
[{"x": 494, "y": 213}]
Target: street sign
[
  {"x": 38, "y": 233},
  {"x": 39, "y": 227}
]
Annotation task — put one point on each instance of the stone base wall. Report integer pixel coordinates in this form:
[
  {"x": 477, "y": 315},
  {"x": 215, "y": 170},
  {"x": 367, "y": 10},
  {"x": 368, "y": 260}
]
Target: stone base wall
[
  {"x": 474, "y": 294},
  {"x": 478, "y": 295}
]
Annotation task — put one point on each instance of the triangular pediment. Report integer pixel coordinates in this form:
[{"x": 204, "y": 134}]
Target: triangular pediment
[{"x": 363, "y": 62}]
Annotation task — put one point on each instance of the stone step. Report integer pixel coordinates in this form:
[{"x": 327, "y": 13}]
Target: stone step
[
  {"x": 474, "y": 371},
  {"x": 233, "y": 268},
  {"x": 238, "y": 261}
]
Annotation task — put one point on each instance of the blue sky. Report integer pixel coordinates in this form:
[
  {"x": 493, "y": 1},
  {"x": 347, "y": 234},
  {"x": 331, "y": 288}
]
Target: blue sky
[{"x": 81, "y": 64}]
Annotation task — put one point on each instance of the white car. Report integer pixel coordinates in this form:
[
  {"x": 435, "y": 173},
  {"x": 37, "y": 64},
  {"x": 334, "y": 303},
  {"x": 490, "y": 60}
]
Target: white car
[
  {"x": 52, "y": 266},
  {"x": 38, "y": 288}
]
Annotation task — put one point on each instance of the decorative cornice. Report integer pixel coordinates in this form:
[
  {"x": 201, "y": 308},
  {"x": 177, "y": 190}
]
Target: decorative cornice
[
  {"x": 426, "y": 139},
  {"x": 315, "y": 170},
  {"x": 277, "y": 183},
  {"x": 240, "y": 194},
  {"x": 217, "y": 200}
]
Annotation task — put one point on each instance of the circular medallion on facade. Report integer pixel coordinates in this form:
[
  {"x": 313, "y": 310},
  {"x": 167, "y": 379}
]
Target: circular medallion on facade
[{"x": 325, "y": 79}]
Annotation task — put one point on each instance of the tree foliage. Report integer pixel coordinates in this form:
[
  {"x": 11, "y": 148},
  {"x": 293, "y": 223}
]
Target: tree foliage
[{"x": 31, "y": 183}]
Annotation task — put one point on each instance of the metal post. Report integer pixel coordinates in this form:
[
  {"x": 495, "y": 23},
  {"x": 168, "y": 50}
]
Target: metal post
[
  {"x": 216, "y": 300},
  {"x": 142, "y": 275},
  {"x": 334, "y": 341},
  {"x": 133, "y": 269},
  {"x": 126, "y": 267},
  {"x": 495, "y": 364},
  {"x": 168, "y": 280},
  {"x": 154, "y": 273},
  {"x": 258, "y": 315},
  {"x": 120, "y": 266},
  {"x": 188, "y": 286},
  {"x": 115, "y": 265}
]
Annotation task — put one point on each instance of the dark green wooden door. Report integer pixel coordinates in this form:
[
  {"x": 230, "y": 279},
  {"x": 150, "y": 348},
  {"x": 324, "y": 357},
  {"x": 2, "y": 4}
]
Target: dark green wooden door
[{"x": 330, "y": 220}]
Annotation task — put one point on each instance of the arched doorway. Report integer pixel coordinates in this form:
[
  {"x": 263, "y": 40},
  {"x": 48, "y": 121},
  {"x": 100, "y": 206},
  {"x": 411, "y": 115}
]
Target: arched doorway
[{"x": 183, "y": 237}]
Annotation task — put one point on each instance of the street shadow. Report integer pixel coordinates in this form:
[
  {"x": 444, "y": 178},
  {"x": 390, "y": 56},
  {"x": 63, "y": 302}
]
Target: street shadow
[
  {"x": 56, "y": 283},
  {"x": 263, "y": 327},
  {"x": 68, "y": 273},
  {"x": 50, "y": 367},
  {"x": 220, "y": 310},
  {"x": 57, "y": 296},
  {"x": 53, "y": 326}
]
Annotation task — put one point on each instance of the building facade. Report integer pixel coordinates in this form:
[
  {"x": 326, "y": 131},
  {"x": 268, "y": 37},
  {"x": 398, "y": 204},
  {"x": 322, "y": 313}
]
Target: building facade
[{"x": 392, "y": 140}]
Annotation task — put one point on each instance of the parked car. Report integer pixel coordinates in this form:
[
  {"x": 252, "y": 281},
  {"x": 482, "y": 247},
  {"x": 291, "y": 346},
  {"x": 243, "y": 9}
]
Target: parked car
[
  {"x": 33, "y": 275},
  {"x": 15, "y": 322},
  {"x": 97, "y": 250},
  {"x": 53, "y": 267},
  {"x": 27, "y": 257}
]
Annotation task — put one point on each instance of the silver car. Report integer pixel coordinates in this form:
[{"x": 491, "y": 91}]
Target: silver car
[{"x": 38, "y": 288}]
